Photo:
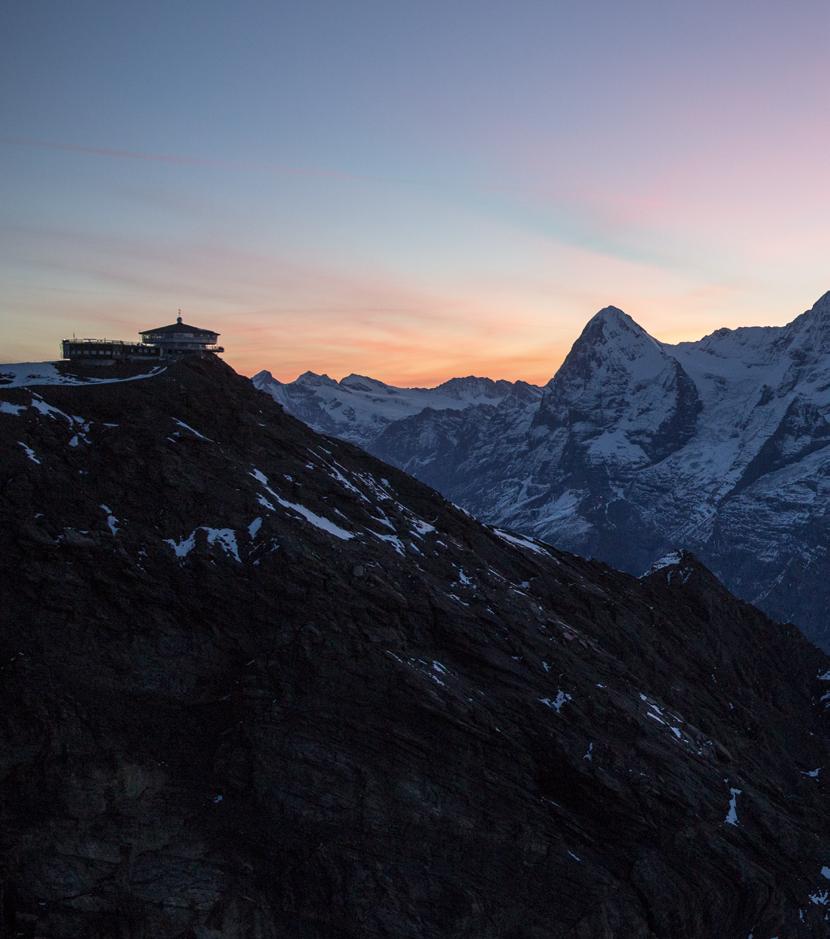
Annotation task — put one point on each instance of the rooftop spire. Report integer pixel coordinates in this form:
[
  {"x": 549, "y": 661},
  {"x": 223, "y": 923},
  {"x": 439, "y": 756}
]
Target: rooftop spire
[{"x": 179, "y": 317}]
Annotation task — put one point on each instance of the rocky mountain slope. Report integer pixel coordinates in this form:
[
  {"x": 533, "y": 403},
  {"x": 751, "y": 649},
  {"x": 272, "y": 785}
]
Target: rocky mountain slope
[
  {"x": 256, "y": 683},
  {"x": 637, "y": 447}
]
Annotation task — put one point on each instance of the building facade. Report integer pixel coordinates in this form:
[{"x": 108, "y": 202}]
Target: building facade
[{"x": 163, "y": 342}]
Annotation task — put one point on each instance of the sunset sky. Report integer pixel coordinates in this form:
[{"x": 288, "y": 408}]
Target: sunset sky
[{"x": 409, "y": 190}]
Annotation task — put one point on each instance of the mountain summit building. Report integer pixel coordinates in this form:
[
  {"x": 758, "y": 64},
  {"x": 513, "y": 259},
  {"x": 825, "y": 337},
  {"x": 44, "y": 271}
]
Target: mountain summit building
[{"x": 163, "y": 342}]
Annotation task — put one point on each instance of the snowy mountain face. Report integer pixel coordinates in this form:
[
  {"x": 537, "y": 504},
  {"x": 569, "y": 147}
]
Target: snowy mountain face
[
  {"x": 636, "y": 447},
  {"x": 257, "y": 683},
  {"x": 359, "y": 409}
]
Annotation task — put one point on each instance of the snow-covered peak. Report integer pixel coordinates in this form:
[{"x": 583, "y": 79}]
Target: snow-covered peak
[
  {"x": 613, "y": 314},
  {"x": 265, "y": 381},
  {"x": 365, "y": 383},
  {"x": 616, "y": 388},
  {"x": 615, "y": 325},
  {"x": 612, "y": 341},
  {"x": 313, "y": 379},
  {"x": 263, "y": 378}
]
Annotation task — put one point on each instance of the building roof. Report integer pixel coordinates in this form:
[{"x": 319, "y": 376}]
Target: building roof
[{"x": 178, "y": 327}]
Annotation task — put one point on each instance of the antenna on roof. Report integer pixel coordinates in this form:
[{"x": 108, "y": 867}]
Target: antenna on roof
[{"x": 179, "y": 317}]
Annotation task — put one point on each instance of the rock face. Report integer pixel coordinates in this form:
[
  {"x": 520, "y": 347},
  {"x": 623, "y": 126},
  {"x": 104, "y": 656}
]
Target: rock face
[
  {"x": 637, "y": 447},
  {"x": 256, "y": 683}
]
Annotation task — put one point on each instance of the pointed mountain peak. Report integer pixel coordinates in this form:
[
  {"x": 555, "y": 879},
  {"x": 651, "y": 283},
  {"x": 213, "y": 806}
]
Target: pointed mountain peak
[
  {"x": 611, "y": 340},
  {"x": 611, "y": 313},
  {"x": 263, "y": 378},
  {"x": 613, "y": 320},
  {"x": 614, "y": 329},
  {"x": 312, "y": 378}
]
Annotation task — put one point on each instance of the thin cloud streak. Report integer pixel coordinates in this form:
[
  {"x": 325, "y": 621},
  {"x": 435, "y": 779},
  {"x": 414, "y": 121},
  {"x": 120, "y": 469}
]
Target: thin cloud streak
[
  {"x": 239, "y": 166},
  {"x": 559, "y": 216}
]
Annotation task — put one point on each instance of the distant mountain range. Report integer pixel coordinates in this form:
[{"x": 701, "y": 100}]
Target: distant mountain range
[
  {"x": 360, "y": 409},
  {"x": 634, "y": 448}
]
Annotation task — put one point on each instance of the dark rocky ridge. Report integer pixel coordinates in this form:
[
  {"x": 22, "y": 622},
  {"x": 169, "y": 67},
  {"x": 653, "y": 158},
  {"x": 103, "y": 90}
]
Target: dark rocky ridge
[{"x": 424, "y": 730}]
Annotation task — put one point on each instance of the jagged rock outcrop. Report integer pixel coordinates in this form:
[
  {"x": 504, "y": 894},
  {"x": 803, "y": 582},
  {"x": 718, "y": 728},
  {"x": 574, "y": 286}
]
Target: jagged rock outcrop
[{"x": 256, "y": 683}]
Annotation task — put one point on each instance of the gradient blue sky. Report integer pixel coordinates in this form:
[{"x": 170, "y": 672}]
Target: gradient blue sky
[{"x": 409, "y": 190}]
